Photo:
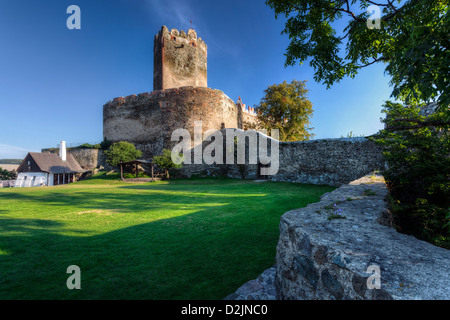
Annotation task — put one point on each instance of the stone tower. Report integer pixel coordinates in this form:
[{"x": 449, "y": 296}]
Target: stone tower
[{"x": 180, "y": 60}]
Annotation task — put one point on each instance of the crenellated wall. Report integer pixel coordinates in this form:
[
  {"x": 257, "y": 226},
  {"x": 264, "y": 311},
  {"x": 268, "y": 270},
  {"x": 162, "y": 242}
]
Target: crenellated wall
[
  {"x": 249, "y": 116},
  {"x": 148, "y": 120},
  {"x": 180, "y": 59}
]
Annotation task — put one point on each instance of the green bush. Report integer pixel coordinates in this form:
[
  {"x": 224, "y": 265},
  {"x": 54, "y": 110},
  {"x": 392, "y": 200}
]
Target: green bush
[
  {"x": 417, "y": 149},
  {"x": 7, "y": 175},
  {"x": 89, "y": 146},
  {"x": 122, "y": 152},
  {"x": 105, "y": 144}
]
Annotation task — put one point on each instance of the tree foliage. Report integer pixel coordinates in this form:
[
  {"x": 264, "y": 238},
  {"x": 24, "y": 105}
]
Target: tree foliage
[
  {"x": 285, "y": 107},
  {"x": 165, "y": 162},
  {"x": 418, "y": 171},
  {"x": 412, "y": 42},
  {"x": 121, "y": 152}
]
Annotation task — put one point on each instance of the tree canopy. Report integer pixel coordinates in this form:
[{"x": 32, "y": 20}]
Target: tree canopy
[
  {"x": 418, "y": 171},
  {"x": 412, "y": 42},
  {"x": 164, "y": 161},
  {"x": 285, "y": 107},
  {"x": 122, "y": 152}
]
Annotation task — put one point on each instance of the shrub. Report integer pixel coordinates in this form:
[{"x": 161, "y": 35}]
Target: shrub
[
  {"x": 89, "y": 146},
  {"x": 417, "y": 149},
  {"x": 7, "y": 175}
]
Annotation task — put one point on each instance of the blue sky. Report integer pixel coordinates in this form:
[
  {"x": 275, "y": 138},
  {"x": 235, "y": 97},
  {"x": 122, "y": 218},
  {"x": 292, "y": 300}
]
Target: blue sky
[{"x": 55, "y": 81}]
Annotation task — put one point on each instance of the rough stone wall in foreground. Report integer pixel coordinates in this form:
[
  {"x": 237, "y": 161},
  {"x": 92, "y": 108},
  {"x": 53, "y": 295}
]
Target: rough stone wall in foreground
[{"x": 324, "y": 259}]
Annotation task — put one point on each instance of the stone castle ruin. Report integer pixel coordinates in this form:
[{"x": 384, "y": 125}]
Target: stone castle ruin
[
  {"x": 316, "y": 258},
  {"x": 180, "y": 96}
]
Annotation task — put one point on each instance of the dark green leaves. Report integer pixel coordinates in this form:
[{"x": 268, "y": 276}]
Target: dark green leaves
[
  {"x": 121, "y": 152},
  {"x": 413, "y": 42}
]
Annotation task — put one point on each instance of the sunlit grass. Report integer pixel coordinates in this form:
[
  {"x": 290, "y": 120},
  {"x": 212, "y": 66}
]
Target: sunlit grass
[{"x": 186, "y": 239}]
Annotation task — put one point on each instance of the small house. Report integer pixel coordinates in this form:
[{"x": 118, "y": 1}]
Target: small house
[{"x": 48, "y": 169}]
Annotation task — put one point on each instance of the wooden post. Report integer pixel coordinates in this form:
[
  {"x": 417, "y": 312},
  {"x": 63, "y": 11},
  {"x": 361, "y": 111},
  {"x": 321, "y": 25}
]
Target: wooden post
[
  {"x": 137, "y": 172},
  {"x": 121, "y": 171},
  {"x": 151, "y": 165}
]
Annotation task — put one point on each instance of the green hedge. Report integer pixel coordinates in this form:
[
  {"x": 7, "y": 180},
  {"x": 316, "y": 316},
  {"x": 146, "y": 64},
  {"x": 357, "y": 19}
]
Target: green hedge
[{"x": 417, "y": 152}]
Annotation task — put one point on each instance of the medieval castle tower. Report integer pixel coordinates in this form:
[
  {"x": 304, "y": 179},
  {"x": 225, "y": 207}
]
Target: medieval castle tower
[
  {"x": 180, "y": 97},
  {"x": 180, "y": 60}
]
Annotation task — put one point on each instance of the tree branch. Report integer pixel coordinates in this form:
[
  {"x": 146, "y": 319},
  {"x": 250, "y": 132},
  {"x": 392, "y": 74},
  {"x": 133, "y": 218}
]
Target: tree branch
[
  {"x": 372, "y": 62},
  {"x": 349, "y": 12},
  {"x": 396, "y": 11},
  {"x": 346, "y": 35},
  {"x": 392, "y": 6}
]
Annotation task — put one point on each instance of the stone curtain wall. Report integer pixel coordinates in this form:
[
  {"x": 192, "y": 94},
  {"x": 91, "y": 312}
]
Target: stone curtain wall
[
  {"x": 147, "y": 120},
  {"x": 88, "y": 159},
  {"x": 324, "y": 259},
  {"x": 327, "y": 161}
]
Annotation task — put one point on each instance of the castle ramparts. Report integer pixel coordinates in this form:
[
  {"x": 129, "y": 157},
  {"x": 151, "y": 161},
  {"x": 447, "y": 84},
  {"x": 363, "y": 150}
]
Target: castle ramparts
[{"x": 148, "y": 119}]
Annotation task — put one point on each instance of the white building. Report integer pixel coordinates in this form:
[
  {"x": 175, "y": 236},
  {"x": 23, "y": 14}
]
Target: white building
[{"x": 48, "y": 169}]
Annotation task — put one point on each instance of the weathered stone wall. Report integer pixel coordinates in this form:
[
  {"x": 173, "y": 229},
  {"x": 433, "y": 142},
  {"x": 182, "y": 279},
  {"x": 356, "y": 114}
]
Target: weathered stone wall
[
  {"x": 319, "y": 258},
  {"x": 180, "y": 60},
  {"x": 148, "y": 120},
  {"x": 331, "y": 259},
  {"x": 87, "y": 158},
  {"x": 249, "y": 121},
  {"x": 327, "y": 161}
]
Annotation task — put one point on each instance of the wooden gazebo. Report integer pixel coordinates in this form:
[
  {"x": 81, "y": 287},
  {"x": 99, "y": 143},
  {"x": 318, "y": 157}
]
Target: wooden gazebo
[{"x": 136, "y": 163}]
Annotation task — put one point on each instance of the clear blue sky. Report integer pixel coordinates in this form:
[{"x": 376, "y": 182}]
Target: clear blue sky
[{"x": 54, "y": 81}]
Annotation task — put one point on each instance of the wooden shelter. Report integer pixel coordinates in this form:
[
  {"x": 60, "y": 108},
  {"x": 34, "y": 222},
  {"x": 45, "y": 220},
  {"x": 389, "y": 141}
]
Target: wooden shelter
[{"x": 136, "y": 163}]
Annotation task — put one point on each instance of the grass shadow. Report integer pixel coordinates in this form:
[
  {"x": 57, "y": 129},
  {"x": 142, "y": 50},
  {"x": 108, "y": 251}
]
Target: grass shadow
[{"x": 155, "y": 241}]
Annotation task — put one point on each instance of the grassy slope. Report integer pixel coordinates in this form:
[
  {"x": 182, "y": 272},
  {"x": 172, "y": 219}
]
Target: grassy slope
[{"x": 187, "y": 239}]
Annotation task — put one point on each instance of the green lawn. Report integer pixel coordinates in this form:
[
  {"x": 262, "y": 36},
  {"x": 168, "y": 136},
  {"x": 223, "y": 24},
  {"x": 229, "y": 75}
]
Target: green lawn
[{"x": 183, "y": 239}]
